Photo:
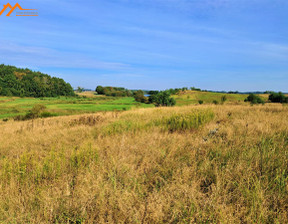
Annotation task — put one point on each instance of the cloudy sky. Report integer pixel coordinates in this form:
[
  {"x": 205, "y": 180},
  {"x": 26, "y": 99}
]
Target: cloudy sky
[{"x": 153, "y": 44}]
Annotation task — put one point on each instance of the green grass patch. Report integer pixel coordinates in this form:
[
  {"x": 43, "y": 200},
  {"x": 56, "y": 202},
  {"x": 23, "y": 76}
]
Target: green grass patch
[
  {"x": 13, "y": 106},
  {"x": 190, "y": 121}
]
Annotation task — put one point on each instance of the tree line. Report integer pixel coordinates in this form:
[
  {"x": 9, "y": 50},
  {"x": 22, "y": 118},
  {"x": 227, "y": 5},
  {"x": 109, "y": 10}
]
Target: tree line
[
  {"x": 113, "y": 91},
  {"x": 158, "y": 98},
  {"x": 26, "y": 83}
]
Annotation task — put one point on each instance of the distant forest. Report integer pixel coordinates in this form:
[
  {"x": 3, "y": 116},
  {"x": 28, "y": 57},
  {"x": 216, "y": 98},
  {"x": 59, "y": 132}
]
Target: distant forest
[{"x": 26, "y": 83}]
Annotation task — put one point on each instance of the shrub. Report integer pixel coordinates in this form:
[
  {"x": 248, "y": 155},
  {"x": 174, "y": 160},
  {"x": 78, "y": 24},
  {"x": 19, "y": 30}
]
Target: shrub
[
  {"x": 200, "y": 102},
  {"x": 215, "y": 102},
  {"x": 36, "y": 112},
  {"x": 278, "y": 97},
  {"x": 254, "y": 99},
  {"x": 37, "y": 109},
  {"x": 193, "y": 120},
  {"x": 223, "y": 99},
  {"x": 46, "y": 114},
  {"x": 139, "y": 97}
]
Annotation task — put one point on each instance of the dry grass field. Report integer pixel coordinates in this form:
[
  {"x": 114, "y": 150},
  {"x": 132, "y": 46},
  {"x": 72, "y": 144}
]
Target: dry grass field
[{"x": 189, "y": 164}]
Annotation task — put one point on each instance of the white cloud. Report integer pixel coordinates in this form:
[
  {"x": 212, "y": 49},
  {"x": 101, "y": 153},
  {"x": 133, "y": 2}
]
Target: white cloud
[{"x": 39, "y": 56}]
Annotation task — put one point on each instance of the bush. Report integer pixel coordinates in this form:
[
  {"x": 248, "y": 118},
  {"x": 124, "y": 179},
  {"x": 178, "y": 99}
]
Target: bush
[
  {"x": 215, "y": 102},
  {"x": 36, "y": 112},
  {"x": 193, "y": 120},
  {"x": 162, "y": 99},
  {"x": 278, "y": 98},
  {"x": 46, "y": 114},
  {"x": 200, "y": 102},
  {"x": 139, "y": 97},
  {"x": 223, "y": 99},
  {"x": 254, "y": 99}
]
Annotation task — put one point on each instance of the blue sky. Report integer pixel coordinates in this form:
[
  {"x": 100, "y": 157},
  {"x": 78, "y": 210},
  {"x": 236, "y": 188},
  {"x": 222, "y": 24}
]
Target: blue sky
[{"x": 153, "y": 44}]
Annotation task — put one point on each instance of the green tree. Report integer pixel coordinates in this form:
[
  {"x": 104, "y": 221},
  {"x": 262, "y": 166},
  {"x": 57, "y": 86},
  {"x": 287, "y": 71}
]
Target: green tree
[
  {"x": 24, "y": 82},
  {"x": 80, "y": 89},
  {"x": 162, "y": 99},
  {"x": 139, "y": 96},
  {"x": 100, "y": 90}
]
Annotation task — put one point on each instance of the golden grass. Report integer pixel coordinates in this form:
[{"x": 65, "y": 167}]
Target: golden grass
[
  {"x": 90, "y": 94},
  {"x": 125, "y": 167}
]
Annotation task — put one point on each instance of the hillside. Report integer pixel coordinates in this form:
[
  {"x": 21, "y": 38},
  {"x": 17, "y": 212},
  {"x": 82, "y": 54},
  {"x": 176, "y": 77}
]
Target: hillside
[
  {"x": 193, "y": 97},
  {"x": 24, "y": 82},
  {"x": 189, "y": 164}
]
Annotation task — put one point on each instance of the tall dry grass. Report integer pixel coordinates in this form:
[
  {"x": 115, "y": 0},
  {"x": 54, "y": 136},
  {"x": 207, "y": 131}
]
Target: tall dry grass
[{"x": 129, "y": 168}]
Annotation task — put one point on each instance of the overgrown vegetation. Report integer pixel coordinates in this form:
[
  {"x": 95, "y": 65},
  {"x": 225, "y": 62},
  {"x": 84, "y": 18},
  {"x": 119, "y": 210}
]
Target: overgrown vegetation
[
  {"x": 65, "y": 170},
  {"x": 24, "y": 82}
]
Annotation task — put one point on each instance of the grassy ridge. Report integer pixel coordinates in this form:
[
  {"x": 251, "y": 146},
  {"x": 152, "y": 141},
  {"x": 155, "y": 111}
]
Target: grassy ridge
[
  {"x": 193, "y": 97},
  {"x": 127, "y": 167}
]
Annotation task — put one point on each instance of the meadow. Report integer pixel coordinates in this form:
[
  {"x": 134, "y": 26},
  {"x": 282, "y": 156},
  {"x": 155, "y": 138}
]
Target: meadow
[
  {"x": 188, "y": 164},
  {"x": 87, "y": 103}
]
